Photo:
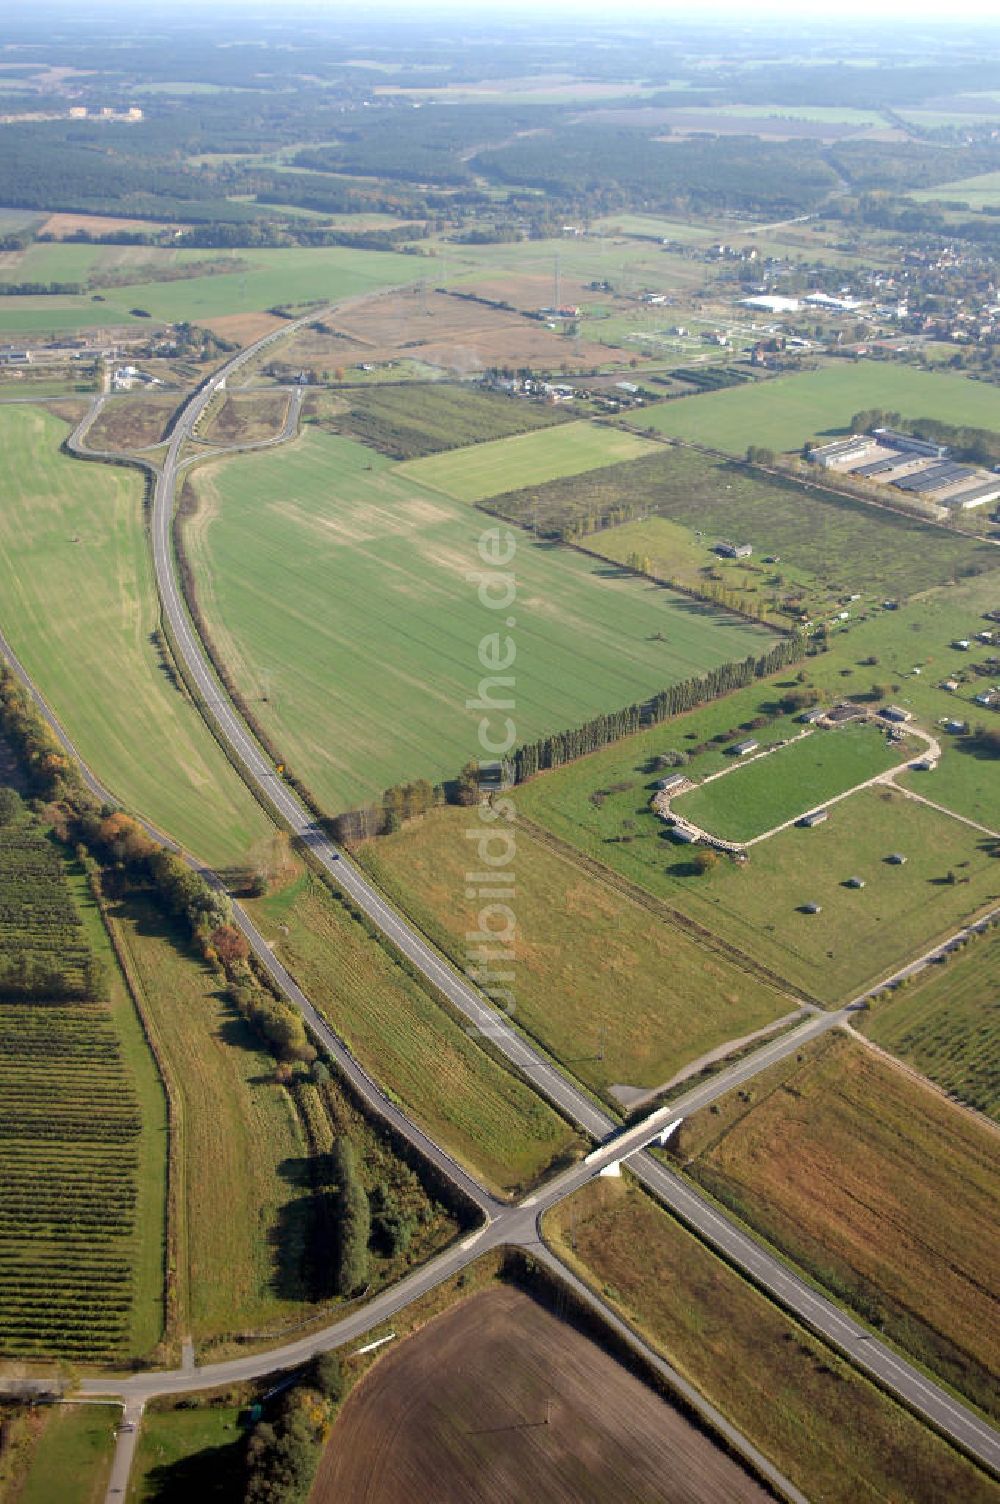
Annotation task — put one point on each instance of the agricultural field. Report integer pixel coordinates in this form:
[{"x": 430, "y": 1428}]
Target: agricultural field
[
  {"x": 844, "y": 1164},
  {"x": 441, "y": 332},
  {"x": 757, "y": 796},
  {"x": 980, "y": 192},
  {"x": 827, "y": 547},
  {"x": 79, "y": 610},
  {"x": 189, "y": 1454},
  {"x": 858, "y": 937},
  {"x": 269, "y": 277},
  {"x": 489, "y": 1118},
  {"x": 255, "y": 1145},
  {"x": 72, "y": 1460},
  {"x": 782, "y": 414},
  {"x": 531, "y": 459},
  {"x": 832, "y": 1433},
  {"x": 82, "y": 1150},
  {"x": 945, "y": 1023},
  {"x": 291, "y": 550},
  {"x": 409, "y": 422},
  {"x": 567, "y": 1414},
  {"x": 630, "y": 1002}
]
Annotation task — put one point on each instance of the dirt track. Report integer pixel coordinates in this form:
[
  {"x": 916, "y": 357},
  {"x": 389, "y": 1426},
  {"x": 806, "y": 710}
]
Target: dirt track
[{"x": 458, "y": 1412}]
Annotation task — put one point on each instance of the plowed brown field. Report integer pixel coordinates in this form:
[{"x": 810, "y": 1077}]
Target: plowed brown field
[{"x": 500, "y": 1402}]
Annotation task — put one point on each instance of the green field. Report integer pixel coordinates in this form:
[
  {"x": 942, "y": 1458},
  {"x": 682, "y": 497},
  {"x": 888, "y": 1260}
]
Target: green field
[
  {"x": 630, "y": 1001},
  {"x": 903, "y": 1230},
  {"x": 528, "y": 459},
  {"x": 271, "y": 277},
  {"x": 82, "y": 1127},
  {"x": 79, "y": 610},
  {"x": 836, "y": 1436},
  {"x": 758, "y": 796},
  {"x": 980, "y": 192},
  {"x": 486, "y": 1116},
  {"x": 859, "y": 936},
  {"x": 72, "y": 1461},
  {"x": 336, "y": 590},
  {"x": 946, "y": 1023},
  {"x": 828, "y": 547},
  {"x": 189, "y": 1454},
  {"x": 782, "y": 414}
]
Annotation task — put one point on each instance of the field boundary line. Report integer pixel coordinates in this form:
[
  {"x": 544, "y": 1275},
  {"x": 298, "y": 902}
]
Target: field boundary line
[
  {"x": 176, "y": 1292},
  {"x": 919, "y": 1078},
  {"x": 731, "y": 1438},
  {"x": 638, "y": 895},
  {"x": 943, "y": 809}
]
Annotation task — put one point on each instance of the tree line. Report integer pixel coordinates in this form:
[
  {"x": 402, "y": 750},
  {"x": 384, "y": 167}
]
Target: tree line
[{"x": 404, "y": 802}]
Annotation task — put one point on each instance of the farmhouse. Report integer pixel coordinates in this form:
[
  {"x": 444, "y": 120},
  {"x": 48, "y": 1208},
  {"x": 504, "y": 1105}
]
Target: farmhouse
[
  {"x": 672, "y": 782},
  {"x": 734, "y": 550},
  {"x": 810, "y": 717},
  {"x": 815, "y": 817},
  {"x": 895, "y": 713},
  {"x": 743, "y": 749}
]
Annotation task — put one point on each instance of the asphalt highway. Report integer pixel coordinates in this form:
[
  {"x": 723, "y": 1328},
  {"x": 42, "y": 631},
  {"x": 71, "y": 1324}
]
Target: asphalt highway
[{"x": 506, "y": 1225}]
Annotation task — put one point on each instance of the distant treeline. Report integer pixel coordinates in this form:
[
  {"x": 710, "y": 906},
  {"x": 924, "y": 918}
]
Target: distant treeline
[{"x": 978, "y": 446}]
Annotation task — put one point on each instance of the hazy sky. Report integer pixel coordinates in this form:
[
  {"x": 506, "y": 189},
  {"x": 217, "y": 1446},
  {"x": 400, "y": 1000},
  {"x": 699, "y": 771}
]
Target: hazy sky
[{"x": 800, "y": 12}]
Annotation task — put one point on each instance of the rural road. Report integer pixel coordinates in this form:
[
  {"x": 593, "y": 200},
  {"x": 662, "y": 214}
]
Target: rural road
[{"x": 509, "y": 1225}]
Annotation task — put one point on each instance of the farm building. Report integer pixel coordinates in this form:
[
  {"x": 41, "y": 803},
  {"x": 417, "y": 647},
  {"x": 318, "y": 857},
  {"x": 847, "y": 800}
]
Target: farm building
[
  {"x": 810, "y": 717},
  {"x": 743, "y": 749},
  {"x": 683, "y": 835},
  {"x": 734, "y": 550},
  {"x": 896, "y": 859},
  {"x": 843, "y": 451},
  {"x": 812, "y": 908},
  {"x": 909, "y": 444},
  {"x": 816, "y": 817},
  {"x": 672, "y": 782},
  {"x": 855, "y": 882},
  {"x": 895, "y": 713}
]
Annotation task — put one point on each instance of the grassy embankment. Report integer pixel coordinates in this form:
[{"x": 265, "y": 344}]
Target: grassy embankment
[{"x": 489, "y": 1118}]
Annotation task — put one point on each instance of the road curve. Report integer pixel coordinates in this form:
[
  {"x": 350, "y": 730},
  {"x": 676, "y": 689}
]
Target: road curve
[{"x": 904, "y": 1379}]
